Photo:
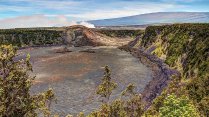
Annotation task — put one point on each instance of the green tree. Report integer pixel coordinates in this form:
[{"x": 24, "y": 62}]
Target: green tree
[
  {"x": 115, "y": 109},
  {"x": 15, "y": 84},
  {"x": 129, "y": 91},
  {"x": 130, "y": 106},
  {"x": 133, "y": 106},
  {"x": 174, "y": 106},
  {"x": 106, "y": 87}
]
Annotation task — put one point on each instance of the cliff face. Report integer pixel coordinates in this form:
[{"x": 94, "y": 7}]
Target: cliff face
[
  {"x": 184, "y": 47},
  {"x": 82, "y": 36}
]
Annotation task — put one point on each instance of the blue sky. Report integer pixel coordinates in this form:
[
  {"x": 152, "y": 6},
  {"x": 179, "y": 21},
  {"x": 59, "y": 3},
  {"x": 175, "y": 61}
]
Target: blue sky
[{"x": 65, "y": 11}]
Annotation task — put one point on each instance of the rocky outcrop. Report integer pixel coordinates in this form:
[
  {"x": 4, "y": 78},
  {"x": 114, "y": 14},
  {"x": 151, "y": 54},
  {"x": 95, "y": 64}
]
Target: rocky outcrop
[
  {"x": 161, "y": 74},
  {"x": 183, "y": 47},
  {"x": 82, "y": 36},
  {"x": 160, "y": 71}
]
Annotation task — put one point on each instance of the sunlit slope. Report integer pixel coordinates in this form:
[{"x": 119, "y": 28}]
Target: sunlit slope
[{"x": 183, "y": 47}]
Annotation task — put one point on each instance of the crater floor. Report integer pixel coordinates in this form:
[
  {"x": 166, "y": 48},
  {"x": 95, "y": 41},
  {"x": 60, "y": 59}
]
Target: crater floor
[{"x": 75, "y": 75}]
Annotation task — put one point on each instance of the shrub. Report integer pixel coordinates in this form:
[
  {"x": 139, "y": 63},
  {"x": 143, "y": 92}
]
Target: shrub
[
  {"x": 15, "y": 84},
  {"x": 106, "y": 87},
  {"x": 174, "y": 106}
]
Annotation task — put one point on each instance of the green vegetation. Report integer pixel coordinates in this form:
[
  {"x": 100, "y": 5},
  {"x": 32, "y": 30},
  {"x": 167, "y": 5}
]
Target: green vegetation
[
  {"x": 186, "y": 49},
  {"x": 106, "y": 87},
  {"x": 128, "y": 105},
  {"x": 177, "y": 107},
  {"x": 30, "y": 37},
  {"x": 121, "y": 33},
  {"x": 15, "y": 84}
]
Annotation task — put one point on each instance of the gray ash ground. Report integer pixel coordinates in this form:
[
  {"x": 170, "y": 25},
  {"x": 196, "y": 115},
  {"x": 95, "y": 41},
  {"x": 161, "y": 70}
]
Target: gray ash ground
[{"x": 75, "y": 75}]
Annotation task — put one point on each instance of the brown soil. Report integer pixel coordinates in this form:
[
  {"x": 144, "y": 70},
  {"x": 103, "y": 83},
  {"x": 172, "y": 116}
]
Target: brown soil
[{"x": 82, "y": 36}]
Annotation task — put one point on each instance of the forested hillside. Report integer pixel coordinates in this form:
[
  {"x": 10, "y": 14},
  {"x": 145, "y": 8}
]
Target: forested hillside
[
  {"x": 184, "y": 47},
  {"x": 120, "y": 33},
  {"x": 26, "y": 37}
]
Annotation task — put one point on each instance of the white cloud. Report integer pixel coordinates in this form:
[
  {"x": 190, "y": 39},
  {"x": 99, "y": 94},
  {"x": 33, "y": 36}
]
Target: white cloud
[
  {"x": 125, "y": 11},
  {"x": 13, "y": 8},
  {"x": 55, "y": 4},
  {"x": 35, "y": 6},
  {"x": 186, "y": 1},
  {"x": 88, "y": 10},
  {"x": 58, "y": 13},
  {"x": 86, "y": 24},
  {"x": 39, "y": 21}
]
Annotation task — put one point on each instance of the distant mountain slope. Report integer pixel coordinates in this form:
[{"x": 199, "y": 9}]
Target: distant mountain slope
[{"x": 155, "y": 18}]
